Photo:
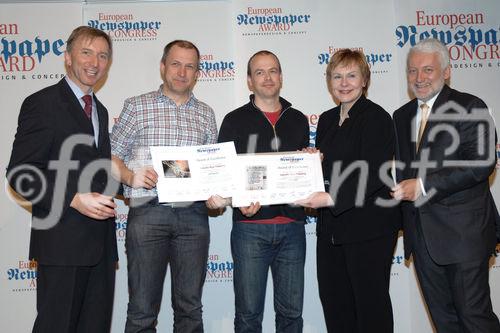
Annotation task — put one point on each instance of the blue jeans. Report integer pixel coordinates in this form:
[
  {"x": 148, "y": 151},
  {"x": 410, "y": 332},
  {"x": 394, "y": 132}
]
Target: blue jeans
[
  {"x": 156, "y": 236},
  {"x": 255, "y": 249}
]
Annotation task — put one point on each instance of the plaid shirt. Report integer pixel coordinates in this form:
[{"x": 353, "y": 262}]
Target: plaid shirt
[{"x": 153, "y": 119}]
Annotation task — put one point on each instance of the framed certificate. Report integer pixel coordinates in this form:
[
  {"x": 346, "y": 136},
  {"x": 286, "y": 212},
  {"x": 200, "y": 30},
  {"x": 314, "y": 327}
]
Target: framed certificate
[
  {"x": 277, "y": 178},
  {"x": 194, "y": 173}
]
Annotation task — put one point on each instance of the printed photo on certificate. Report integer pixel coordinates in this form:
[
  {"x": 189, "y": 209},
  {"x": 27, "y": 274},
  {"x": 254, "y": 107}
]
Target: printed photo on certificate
[
  {"x": 277, "y": 178},
  {"x": 194, "y": 173}
]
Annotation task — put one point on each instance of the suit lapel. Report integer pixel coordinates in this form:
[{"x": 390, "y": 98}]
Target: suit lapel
[
  {"x": 103, "y": 124},
  {"x": 354, "y": 112},
  {"x": 412, "y": 130},
  {"x": 330, "y": 130},
  {"x": 409, "y": 126},
  {"x": 407, "y": 146},
  {"x": 74, "y": 108},
  {"x": 349, "y": 123}
]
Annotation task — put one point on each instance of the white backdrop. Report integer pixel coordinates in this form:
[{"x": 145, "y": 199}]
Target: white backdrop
[{"x": 303, "y": 33}]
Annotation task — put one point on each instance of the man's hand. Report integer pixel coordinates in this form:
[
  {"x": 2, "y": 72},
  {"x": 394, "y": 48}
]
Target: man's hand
[
  {"x": 313, "y": 150},
  {"x": 94, "y": 205},
  {"x": 216, "y": 202},
  {"x": 316, "y": 200},
  {"x": 250, "y": 210},
  {"x": 145, "y": 177},
  {"x": 408, "y": 190}
]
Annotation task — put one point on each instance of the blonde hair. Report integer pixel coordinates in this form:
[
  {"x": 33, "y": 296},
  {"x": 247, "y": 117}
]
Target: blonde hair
[{"x": 346, "y": 57}]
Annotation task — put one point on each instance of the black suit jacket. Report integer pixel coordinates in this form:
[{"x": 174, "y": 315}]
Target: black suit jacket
[
  {"x": 458, "y": 222},
  {"x": 46, "y": 120},
  {"x": 367, "y": 135}
]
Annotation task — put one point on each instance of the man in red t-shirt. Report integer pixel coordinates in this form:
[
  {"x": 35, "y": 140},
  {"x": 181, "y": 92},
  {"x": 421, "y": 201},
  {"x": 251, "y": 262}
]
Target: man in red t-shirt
[{"x": 266, "y": 237}]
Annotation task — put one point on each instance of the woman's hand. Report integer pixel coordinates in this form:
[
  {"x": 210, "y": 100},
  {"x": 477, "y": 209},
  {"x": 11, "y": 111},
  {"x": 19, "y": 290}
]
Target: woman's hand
[
  {"x": 316, "y": 200},
  {"x": 313, "y": 150}
]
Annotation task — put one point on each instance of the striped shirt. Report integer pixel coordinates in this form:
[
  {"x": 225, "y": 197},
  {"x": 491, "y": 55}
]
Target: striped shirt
[{"x": 153, "y": 119}]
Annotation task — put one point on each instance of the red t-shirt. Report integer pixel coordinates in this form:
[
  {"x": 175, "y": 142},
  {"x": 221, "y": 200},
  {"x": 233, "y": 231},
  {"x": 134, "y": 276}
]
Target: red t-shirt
[
  {"x": 273, "y": 118},
  {"x": 274, "y": 220}
]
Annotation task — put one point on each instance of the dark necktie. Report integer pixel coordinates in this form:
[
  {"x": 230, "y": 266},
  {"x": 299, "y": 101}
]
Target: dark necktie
[{"x": 87, "y": 99}]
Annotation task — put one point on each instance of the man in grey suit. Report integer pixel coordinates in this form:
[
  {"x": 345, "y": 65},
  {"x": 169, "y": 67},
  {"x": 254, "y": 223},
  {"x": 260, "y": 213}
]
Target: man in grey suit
[{"x": 448, "y": 210}]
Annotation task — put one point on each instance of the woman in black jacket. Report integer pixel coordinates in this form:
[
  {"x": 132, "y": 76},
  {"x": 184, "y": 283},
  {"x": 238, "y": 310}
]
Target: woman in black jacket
[{"x": 356, "y": 233}]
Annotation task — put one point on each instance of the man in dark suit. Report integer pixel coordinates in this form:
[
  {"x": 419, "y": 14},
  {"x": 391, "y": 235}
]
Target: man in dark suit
[
  {"x": 448, "y": 210},
  {"x": 60, "y": 163}
]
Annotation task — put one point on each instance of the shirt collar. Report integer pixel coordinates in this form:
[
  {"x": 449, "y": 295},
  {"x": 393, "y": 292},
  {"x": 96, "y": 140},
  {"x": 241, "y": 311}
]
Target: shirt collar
[
  {"x": 190, "y": 101},
  {"x": 430, "y": 102},
  {"x": 76, "y": 89}
]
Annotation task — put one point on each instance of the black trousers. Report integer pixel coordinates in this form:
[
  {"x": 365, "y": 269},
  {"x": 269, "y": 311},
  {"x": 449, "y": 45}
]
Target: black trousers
[
  {"x": 353, "y": 282},
  {"x": 457, "y": 295},
  {"x": 75, "y": 299}
]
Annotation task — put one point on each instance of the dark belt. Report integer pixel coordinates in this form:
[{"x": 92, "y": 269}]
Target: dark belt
[{"x": 153, "y": 201}]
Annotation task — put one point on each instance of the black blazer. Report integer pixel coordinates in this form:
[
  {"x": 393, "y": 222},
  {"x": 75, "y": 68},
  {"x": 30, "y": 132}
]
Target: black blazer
[
  {"x": 458, "y": 222},
  {"x": 368, "y": 136},
  {"x": 46, "y": 120}
]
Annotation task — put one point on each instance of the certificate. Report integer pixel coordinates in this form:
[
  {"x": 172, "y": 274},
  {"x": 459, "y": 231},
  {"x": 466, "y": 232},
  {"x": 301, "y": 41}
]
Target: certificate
[
  {"x": 277, "y": 178},
  {"x": 194, "y": 173}
]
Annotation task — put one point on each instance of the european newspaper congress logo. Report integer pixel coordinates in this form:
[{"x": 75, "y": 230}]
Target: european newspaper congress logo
[
  {"x": 379, "y": 61},
  {"x": 272, "y": 21},
  {"x": 495, "y": 260},
  {"x": 126, "y": 27},
  {"x": 313, "y": 124},
  {"x": 471, "y": 42},
  {"x": 21, "y": 56},
  {"x": 398, "y": 261},
  {"x": 498, "y": 155},
  {"x": 214, "y": 69},
  {"x": 22, "y": 276},
  {"x": 219, "y": 269},
  {"x": 121, "y": 226}
]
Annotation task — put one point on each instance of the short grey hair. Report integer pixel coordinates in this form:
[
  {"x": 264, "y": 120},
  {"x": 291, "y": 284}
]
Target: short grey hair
[{"x": 431, "y": 45}]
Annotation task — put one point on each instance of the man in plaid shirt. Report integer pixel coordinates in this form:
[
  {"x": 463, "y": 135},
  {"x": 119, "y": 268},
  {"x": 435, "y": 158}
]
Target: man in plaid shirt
[{"x": 159, "y": 234}]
